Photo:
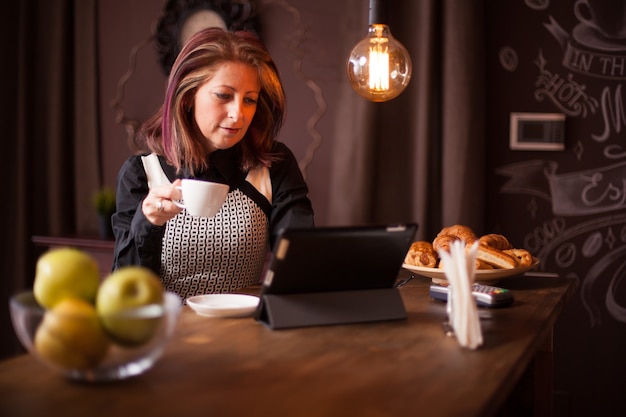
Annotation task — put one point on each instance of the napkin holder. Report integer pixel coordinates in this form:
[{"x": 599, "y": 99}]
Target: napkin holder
[
  {"x": 281, "y": 311},
  {"x": 462, "y": 312}
]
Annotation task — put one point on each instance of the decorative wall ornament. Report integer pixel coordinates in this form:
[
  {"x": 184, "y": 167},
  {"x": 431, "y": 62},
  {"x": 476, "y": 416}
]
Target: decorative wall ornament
[
  {"x": 296, "y": 39},
  {"x": 131, "y": 124}
]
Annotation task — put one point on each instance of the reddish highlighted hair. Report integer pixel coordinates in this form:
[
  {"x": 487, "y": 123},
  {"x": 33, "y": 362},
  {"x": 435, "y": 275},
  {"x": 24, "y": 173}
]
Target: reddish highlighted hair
[{"x": 170, "y": 131}]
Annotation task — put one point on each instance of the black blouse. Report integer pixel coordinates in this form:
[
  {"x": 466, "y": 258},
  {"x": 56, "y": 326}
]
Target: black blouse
[{"x": 139, "y": 242}]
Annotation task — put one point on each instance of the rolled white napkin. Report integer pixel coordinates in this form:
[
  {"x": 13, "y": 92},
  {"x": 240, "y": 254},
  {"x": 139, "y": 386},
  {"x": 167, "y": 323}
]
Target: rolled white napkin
[{"x": 459, "y": 268}]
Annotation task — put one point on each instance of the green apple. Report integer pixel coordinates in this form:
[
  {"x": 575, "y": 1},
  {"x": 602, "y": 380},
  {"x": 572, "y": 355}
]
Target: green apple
[
  {"x": 65, "y": 272},
  {"x": 71, "y": 336},
  {"x": 130, "y": 304}
]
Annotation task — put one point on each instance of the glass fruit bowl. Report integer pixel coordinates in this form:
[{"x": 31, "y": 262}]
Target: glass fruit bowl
[{"x": 74, "y": 343}]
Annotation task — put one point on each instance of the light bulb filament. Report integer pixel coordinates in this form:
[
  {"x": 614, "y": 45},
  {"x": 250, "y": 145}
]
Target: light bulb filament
[{"x": 379, "y": 67}]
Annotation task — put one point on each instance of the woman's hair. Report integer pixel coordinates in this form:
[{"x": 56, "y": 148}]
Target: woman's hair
[{"x": 172, "y": 131}]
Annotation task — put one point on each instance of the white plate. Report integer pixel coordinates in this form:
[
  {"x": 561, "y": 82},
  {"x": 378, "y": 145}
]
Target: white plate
[
  {"x": 223, "y": 305},
  {"x": 482, "y": 275}
]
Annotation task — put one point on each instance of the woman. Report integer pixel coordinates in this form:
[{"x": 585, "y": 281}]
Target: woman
[{"x": 223, "y": 108}]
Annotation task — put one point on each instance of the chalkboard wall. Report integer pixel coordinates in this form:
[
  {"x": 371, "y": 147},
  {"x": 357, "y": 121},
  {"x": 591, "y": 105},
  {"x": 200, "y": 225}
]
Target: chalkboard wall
[{"x": 567, "y": 206}]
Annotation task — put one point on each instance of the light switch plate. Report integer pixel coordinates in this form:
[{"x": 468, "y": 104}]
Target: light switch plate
[{"x": 537, "y": 131}]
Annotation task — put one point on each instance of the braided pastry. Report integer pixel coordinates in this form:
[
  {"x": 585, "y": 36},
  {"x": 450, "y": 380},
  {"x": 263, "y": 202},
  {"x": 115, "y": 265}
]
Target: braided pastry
[
  {"x": 421, "y": 253},
  {"x": 522, "y": 256},
  {"x": 496, "y": 257}
]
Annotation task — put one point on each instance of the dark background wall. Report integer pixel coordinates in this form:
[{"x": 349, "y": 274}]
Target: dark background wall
[{"x": 567, "y": 207}]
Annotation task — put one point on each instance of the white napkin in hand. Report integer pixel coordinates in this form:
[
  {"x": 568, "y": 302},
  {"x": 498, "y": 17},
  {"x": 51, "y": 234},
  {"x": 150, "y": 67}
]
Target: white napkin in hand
[{"x": 462, "y": 311}]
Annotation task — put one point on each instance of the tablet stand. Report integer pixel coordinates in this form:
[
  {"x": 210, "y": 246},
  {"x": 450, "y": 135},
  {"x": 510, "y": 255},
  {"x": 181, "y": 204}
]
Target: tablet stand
[{"x": 280, "y": 311}]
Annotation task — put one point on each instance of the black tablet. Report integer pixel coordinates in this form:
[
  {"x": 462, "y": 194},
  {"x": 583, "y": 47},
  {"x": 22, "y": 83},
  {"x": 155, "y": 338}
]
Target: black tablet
[
  {"x": 323, "y": 271},
  {"x": 337, "y": 258}
]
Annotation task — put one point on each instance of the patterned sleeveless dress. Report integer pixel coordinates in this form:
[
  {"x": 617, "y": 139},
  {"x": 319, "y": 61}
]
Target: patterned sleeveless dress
[{"x": 219, "y": 254}]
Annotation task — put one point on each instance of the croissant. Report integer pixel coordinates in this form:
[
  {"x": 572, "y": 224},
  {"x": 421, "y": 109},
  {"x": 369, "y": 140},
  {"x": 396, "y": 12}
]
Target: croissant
[
  {"x": 459, "y": 231},
  {"x": 449, "y": 234},
  {"x": 495, "y": 241},
  {"x": 443, "y": 242}
]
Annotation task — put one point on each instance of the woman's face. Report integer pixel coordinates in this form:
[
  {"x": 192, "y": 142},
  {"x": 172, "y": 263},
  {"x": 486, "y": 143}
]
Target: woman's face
[{"x": 225, "y": 105}]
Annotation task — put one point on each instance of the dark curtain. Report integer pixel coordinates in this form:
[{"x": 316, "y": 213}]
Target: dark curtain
[
  {"x": 419, "y": 156},
  {"x": 49, "y": 120}
]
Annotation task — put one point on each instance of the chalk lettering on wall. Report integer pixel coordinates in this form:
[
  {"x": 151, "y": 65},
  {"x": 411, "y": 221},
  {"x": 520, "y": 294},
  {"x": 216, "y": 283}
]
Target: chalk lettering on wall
[
  {"x": 587, "y": 85},
  {"x": 617, "y": 311},
  {"x": 567, "y": 94},
  {"x": 565, "y": 255},
  {"x": 556, "y": 243},
  {"x": 595, "y": 273},
  {"x": 613, "y": 114},
  {"x": 596, "y": 46},
  {"x": 594, "y": 63},
  {"x": 615, "y": 151},
  {"x": 508, "y": 58},
  {"x": 538, "y": 4},
  {"x": 544, "y": 233},
  {"x": 578, "y": 150},
  {"x": 594, "y": 191},
  {"x": 526, "y": 178}
]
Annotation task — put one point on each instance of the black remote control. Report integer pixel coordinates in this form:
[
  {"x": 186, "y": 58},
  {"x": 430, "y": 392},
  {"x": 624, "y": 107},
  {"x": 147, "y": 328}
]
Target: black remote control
[{"x": 485, "y": 295}]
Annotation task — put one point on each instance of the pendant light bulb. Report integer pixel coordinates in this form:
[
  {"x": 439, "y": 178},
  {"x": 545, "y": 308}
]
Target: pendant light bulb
[{"x": 379, "y": 67}]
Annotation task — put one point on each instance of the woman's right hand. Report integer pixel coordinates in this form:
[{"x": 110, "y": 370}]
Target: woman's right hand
[{"x": 158, "y": 206}]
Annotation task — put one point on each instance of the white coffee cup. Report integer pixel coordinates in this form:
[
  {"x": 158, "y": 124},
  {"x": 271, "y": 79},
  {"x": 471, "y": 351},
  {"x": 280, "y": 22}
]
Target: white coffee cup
[{"x": 202, "y": 198}]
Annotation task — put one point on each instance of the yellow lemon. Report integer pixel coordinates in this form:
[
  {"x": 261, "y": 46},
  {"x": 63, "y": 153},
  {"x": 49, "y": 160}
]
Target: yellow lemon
[
  {"x": 71, "y": 335},
  {"x": 65, "y": 273}
]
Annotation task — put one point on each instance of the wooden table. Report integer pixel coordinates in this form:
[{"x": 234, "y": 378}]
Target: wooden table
[{"x": 238, "y": 367}]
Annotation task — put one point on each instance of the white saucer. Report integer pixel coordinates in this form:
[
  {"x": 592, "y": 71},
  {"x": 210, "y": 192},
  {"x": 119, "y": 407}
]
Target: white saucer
[{"x": 223, "y": 305}]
